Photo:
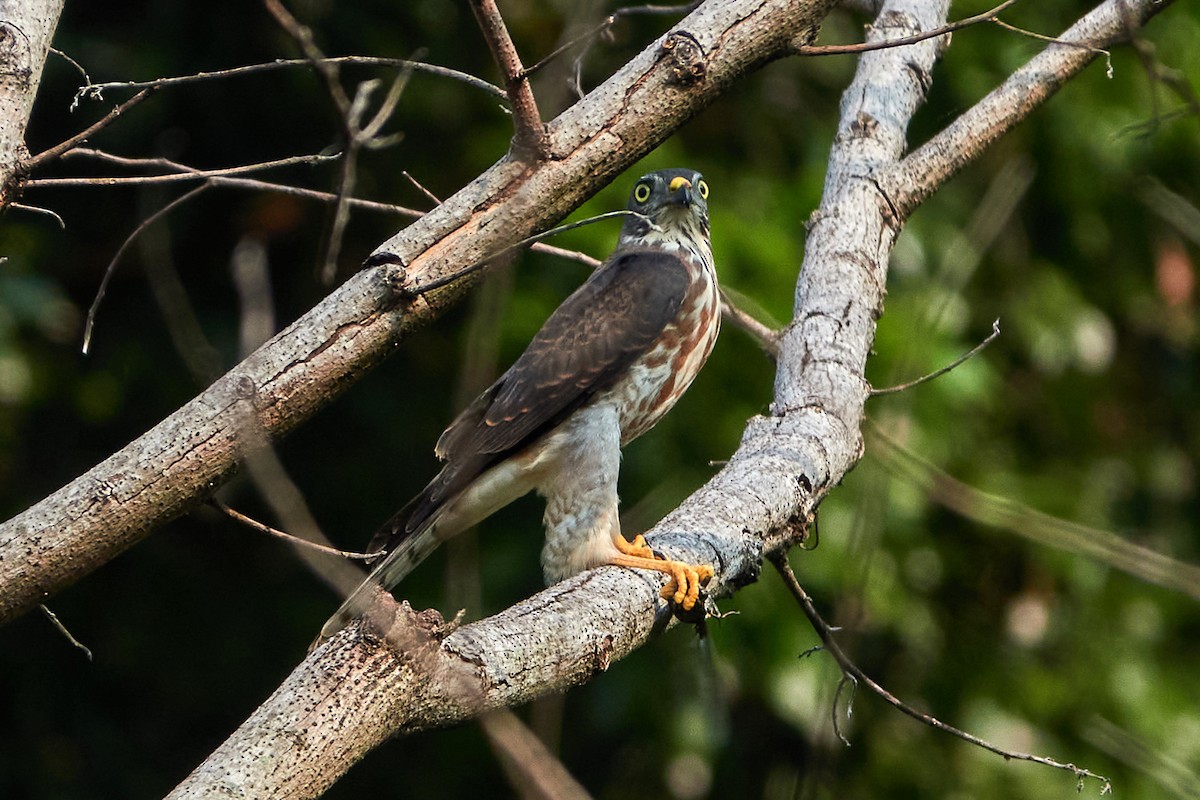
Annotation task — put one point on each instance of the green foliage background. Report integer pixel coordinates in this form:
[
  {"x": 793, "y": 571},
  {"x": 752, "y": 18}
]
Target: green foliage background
[{"x": 1078, "y": 231}]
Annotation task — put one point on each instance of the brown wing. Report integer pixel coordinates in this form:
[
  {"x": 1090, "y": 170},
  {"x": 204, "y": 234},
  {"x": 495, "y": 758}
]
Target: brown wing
[{"x": 583, "y": 348}]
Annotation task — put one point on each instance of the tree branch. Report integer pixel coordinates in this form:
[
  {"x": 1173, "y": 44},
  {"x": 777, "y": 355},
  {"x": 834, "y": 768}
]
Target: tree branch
[
  {"x": 529, "y": 143},
  {"x": 908, "y": 183},
  {"x": 25, "y": 32},
  {"x": 851, "y": 672}
]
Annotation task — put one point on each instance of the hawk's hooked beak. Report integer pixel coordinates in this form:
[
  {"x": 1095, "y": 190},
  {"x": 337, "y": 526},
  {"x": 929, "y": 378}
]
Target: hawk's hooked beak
[{"x": 682, "y": 193}]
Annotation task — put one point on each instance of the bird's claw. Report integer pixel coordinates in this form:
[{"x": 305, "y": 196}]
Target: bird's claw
[{"x": 683, "y": 589}]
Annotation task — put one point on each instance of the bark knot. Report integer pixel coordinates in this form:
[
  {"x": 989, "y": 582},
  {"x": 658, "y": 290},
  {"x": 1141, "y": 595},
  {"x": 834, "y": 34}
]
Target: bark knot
[{"x": 685, "y": 58}]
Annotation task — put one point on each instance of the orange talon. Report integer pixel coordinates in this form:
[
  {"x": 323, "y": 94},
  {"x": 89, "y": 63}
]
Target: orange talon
[{"x": 683, "y": 589}]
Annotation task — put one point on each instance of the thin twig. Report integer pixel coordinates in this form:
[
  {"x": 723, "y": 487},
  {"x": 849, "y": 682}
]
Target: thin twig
[
  {"x": 57, "y": 150},
  {"x": 1102, "y": 546},
  {"x": 863, "y": 47},
  {"x": 438, "y": 283},
  {"x": 1052, "y": 40},
  {"x": 39, "y": 210},
  {"x": 87, "y": 79},
  {"x": 825, "y": 632},
  {"x": 1157, "y": 72},
  {"x": 847, "y": 678},
  {"x": 350, "y": 112},
  {"x": 432, "y": 197},
  {"x": 112, "y": 265},
  {"x": 532, "y": 769},
  {"x": 591, "y": 36},
  {"x": 186, "y": 173},
  {"x": 608, "y": 22},
  {"x": 991, "y": 337},
  {"x": 562, "y": 252},
  {"x": 57, "y": 623},
  {"x": 246, "y": 183},
  {"x": 296, "y": 540},
  {"x": 289, "y": 63},
  {"x": 359, "y": 136},
  {"x": 304, "y": 39},
  {"x": 529, "y": 140}
]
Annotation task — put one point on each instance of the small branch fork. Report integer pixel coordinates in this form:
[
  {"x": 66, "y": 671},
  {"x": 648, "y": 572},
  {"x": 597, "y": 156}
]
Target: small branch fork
[
  {"x": 986, "y": 16},
  {"x": 530, "y": 142},
  {"x": 358, "y": 135},
  {"x": 856, "y": 676}
]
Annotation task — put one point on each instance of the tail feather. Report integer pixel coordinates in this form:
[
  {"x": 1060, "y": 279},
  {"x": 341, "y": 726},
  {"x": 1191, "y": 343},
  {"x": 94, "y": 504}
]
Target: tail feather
[{"x": 395, "y": 566}]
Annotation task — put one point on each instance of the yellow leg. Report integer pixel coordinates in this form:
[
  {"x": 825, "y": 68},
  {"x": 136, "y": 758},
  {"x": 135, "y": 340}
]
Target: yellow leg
[{"x": 686, "y": 579}]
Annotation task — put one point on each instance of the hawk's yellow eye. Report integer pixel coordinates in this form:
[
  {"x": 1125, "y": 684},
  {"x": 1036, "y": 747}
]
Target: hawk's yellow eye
[
  {"x": 641, "y": 192},
  {"x": 703, "y": 187}
]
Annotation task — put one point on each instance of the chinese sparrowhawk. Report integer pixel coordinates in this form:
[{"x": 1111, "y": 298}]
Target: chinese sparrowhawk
[{"x": 604, "y": 368}]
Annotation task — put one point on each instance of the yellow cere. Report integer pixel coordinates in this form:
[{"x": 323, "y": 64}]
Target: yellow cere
[{"x": 679, "y": 181}]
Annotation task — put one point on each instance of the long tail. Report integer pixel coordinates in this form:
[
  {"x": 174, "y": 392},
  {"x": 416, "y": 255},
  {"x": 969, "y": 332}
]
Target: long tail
[{"x": 411, "y": 551}]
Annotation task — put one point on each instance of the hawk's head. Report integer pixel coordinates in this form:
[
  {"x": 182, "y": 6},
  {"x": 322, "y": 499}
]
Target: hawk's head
[{"x": 670, "y": 208}]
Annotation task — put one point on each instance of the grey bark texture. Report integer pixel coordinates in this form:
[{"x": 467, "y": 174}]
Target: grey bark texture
[{"x": 26, "y": 27}]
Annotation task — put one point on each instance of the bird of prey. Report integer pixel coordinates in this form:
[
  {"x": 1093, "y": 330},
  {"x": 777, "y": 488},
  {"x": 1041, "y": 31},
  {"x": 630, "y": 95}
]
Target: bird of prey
[{"x": 604, "y": 368}]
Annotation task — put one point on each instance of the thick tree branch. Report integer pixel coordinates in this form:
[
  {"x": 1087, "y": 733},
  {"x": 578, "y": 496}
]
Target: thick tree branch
[{"x": 26, "y": 28}]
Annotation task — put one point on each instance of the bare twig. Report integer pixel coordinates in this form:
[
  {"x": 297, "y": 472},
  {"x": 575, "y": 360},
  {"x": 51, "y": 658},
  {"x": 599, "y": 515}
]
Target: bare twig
[
  {"x": 432, "y": 197},
  {"x": 112, "y": 265},
  {"x": 296, "y": 540},
  {"x": 51, "y": 153},
  {"x": 532, "y": 769},
  {"x": 1053, "y": 40},
  {"x": 825, "y": 632},
  {"x": 304, "y": 39},
  {"x": 290, "y": 63},
  {"x": 529, "y": 140},
  {"x": 437, "y": 283},
  {"x": 606, "y": 25},
  {"x": 1158, "y": 73},
  {"x": 83, "y": 72},
  {"x": 243, "y": 183},
  {"x": 351, "y": 112},
  {"x": 991, "y": 337},
  {"x": 57, "y": 623},
  {"x": 39, "y": 210},
  {"x": 184, "y": 174},
  {"x": 592, "y": 35},
  {"x": 863, "y": 47}
]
